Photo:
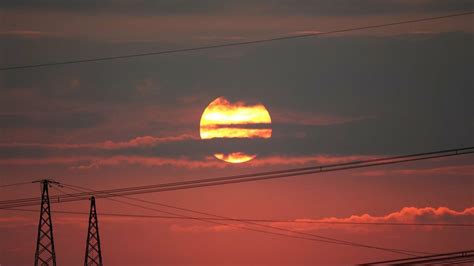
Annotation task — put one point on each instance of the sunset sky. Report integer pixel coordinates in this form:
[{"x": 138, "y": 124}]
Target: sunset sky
[{"x": 329, "y": 99}]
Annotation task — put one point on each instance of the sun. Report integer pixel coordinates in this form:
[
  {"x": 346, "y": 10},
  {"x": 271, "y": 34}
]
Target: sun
[{"x": 224, "y": 119}]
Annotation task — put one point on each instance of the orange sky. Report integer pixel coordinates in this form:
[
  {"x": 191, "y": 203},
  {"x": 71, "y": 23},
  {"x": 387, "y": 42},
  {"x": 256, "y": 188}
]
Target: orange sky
[{"x": 298, "y": 103}]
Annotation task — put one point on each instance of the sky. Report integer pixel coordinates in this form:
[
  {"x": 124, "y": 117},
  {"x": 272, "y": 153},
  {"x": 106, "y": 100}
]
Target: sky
[{"x": 334, "y": 98}]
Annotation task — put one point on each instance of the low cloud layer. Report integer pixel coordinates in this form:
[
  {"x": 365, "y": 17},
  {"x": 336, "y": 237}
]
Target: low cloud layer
[
  {"x": 189, "y": 151},
  {"x": 407, "y": 215},
  {"x": 95, "y": 162},
  {"x": 462, "y": 170}
]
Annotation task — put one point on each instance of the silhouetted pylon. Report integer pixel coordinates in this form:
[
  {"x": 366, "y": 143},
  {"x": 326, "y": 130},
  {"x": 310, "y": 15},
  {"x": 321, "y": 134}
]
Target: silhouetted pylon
[
  {"x": 45, "y": 254},
  {"x": 93, "y": 252}
]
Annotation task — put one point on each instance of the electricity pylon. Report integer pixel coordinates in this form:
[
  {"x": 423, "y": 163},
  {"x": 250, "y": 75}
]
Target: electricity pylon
[
  {"x": 93, "y": 252},
  {"x": 45, "y": 254}
]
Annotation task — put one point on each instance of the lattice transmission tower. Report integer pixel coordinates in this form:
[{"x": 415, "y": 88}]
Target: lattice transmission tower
[
  {"x": 45, "y": 254},
  {"x": 93, "y": 252}
]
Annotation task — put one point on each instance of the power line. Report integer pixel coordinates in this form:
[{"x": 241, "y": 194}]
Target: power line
[
  {"x": 233, "y": 225},
  {"x": 241, "y": 178},
  {"x": 204, "y": 183},
  {"x": 305, "y": 235},
  {"x": 245, "y": 178},
  {"x": 363, "y": 163},
  {"x": 434, "y": 259},
  {"x": 285, "y": 173},
  {"x": 277, "y": 228},
  {"x": 233, "y": 44},
  {"x": 15, "y": 184}
]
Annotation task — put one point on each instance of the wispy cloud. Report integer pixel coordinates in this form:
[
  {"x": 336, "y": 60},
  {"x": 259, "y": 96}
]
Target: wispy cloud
[
  {"x": 143, "y": 141},
  {"x": 312, "y": 119},
  {"x": 14, "y": 220},
  {"x": 304, "y": 32},
  {"x": 210, "y": 162},
  {"x": 93, "y": 162},
  {"x": 27, "y": 34},
  {"x": 459, "y": 170},
  {"x": 406, "y": 215},
  {"x": 146, "y": 141},
  {"x": 204, "y": 229}
]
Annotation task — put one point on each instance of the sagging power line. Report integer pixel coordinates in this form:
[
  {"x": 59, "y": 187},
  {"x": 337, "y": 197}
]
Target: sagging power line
[
  {"x": 218, "y": 181},
  {"x": 15, "y": 184},
  {"x": 93, "y": 252},
  {"x": 108, "y": 194},
  {"x": 299, "y": 235}
]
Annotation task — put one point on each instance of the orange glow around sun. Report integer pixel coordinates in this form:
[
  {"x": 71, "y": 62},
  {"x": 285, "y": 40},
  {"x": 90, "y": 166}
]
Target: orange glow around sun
[{"x": 223, "y": 119}]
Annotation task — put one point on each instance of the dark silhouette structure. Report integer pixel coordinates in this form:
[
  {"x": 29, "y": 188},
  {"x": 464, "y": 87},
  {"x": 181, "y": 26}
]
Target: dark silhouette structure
[
  {"x": 93, "y": 252},
  {"x": 45, "y": 254}
]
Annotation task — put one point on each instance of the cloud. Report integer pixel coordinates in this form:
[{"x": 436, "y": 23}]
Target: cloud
[
  {"x": 147, "y": 141},
  {"x": 224, "y": 119},
  {"x": 312, "y": 119},
  {"x": 210, "y": 162},
  {"x": 147, "y": 87},
  {"x": 280, "y": 7},
  {"x": 311, "y": 159},
  {"x": 304, "y": 32},
  {"x": 406, "y": 215},
  {"x": 460, "y": 170},
  {"x": 278, "y": 150},
  {"x": 189, "y": 151},
  {"x": 450, "y": 170},
  {"x": 204, "y": 229},
  {"x": 340, "y": 82},
  {"x": 46, "y": 161},
  {"x": 12, "y": 221},
  {"x": 161, "y": 31},
  {"x": 149, "y": 162},
  {"x": 85, "y": 162},
  {"x": 27, "y": 34},
  {"x": 144, "y": 141},
  {"x": 18, "y": 220},
  {"x": 67, "y": 120}
]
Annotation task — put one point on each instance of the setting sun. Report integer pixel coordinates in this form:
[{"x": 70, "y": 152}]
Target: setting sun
[{"x": 223, "y": 119}]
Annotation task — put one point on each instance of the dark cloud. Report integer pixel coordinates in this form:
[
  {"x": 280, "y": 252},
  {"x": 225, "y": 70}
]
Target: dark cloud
[
  {"x": 304, "y": 7},
  {"x": 408, "y": 92},
  {"x": 51, "y": 120}
]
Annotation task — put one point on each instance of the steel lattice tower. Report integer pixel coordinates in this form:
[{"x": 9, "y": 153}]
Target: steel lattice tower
[
  {"x": 45, "y": 254},
  {"x": 93, "y": 252}
]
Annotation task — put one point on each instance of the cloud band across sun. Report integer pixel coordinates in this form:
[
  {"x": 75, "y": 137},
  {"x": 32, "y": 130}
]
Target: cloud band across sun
[{"x": 223, "y": 119}]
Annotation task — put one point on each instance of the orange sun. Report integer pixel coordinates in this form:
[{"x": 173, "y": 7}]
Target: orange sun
[{"x": 223, "y": 119}]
